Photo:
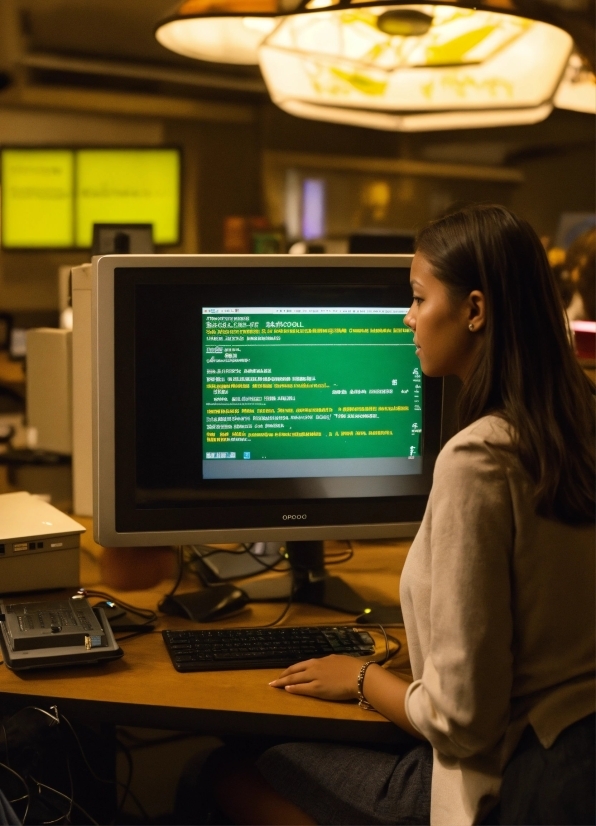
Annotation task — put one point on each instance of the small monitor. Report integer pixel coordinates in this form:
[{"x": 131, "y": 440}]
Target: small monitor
[
  {"x": 122, "y": 239},
  {"x": 381, "y": 241},
  {"x": 260, "y": 398}
]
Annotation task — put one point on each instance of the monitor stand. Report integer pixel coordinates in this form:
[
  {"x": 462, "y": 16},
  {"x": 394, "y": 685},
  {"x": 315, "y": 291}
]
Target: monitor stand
[{"x": 313, "y": 585}]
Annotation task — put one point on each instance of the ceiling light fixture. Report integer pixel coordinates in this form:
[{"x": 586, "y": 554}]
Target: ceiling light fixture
[
  {"x": 414, "y": 68},
  {"x": 396, "y": 66},
  {"x": 577, "y": 90},
  {"x": 222, "y": 31}
]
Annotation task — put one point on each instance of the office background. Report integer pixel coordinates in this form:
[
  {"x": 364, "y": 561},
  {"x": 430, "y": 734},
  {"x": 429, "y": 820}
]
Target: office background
[{"x": 93, "y": 74}]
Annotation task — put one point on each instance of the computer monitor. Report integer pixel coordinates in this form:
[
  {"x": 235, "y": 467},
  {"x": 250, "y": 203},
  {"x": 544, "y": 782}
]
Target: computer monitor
[
  {"x": 52, "y": 197},
  {"x": 260, "y": 398},
  {"x": 381, "y": 241},
  {"x": 123, "y": 239}
]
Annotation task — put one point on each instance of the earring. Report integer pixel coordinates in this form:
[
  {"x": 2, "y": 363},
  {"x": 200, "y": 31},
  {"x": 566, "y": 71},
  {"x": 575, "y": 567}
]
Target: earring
[{"x": 470, "y": 326}]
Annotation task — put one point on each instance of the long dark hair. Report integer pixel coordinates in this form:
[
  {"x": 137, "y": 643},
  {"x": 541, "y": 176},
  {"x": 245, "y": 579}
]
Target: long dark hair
[{"x": 526, "y": 371}]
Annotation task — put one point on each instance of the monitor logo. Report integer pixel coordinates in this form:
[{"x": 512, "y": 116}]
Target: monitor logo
[{"x": 293, "y": 516}]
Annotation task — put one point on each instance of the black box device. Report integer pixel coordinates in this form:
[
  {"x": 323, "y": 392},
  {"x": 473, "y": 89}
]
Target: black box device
[{"x": 54, "y": 632}]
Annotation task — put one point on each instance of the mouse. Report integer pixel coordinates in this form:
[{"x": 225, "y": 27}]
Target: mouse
[{"x": 210, "y": 604}]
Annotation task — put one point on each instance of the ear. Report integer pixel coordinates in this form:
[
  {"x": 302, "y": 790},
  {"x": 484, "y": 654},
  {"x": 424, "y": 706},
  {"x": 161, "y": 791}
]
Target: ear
[{"x": 476, "y": 310}]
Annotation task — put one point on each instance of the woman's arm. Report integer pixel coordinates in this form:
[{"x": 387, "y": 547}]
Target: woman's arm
[{"x": 336, "y": 678}]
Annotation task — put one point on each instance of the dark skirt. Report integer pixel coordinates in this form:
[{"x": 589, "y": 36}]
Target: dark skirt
[{"x": 350, "y": 785}]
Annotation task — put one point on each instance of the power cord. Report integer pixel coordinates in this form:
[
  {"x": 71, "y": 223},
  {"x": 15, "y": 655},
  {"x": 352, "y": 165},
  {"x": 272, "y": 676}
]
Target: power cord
[
  {"x": 345, "y": 555},
  {"x": 287, "y": 606},
  {"x": 125, "y": 786},
  {"x": 148, "y": 616},
  {"x": 25, "y": 784},
  {"x": 180, "y": 573},
  {"x": 56, "y": 719},
  {"x": 66, "y": 817},
  {"x": 246, "y": 549}
]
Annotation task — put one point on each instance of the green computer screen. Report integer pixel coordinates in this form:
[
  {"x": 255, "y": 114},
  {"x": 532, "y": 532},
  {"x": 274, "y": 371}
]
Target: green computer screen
[
  {"x": 52, "y": 197},
  {"x": 312, "y": 384}
]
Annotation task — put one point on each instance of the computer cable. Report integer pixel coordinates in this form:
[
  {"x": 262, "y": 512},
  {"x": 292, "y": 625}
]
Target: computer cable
[
  {"x": 388, "y": 656},
  {"x": 5, "y": 741},
  {"x": 345, "y": 557},
  {"x": 287, "y": 606},
  {"x": 273, "y": 566},
  {"x": 346, "y": 554},
  {"x": 211, "y": 549},
  {"x": 148, "y": 616},
  {"x": 127, "y": 790},
  {"x": 55, "y": 719},
  {"x": 382, "y": 630},
  {"x": 180, "y": 573},
  {"x": 72, "y": 802},
  {"x": 26, "y": 797},
  {"x": 65, "y": 817},
  {"x": 125, "y": 786},
  {"x": 246, "y": 549}
]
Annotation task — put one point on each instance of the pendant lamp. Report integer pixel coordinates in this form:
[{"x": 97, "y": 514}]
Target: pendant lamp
[
  {"x": 414, "y": 67},
  {"x": 577, "y": 90},
  {"x": 223, "y": 31},
  {"x": 404, "y": 67}
]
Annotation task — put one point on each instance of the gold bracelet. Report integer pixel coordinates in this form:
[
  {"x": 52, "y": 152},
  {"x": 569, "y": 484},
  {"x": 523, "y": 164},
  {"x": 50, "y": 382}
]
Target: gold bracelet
[{"x": 362, "y": 701}]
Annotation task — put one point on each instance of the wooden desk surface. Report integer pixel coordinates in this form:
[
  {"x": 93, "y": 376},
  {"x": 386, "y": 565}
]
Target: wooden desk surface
[{"x": 144, "y": 689}]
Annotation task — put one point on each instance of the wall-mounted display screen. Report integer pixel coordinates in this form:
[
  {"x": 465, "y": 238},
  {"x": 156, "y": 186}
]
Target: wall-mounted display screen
[{"x": 52, "y": 197}]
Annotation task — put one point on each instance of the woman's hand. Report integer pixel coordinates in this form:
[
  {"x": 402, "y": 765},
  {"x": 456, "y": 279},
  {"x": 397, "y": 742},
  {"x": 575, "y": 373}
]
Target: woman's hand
[{"x": 331, "y": 678}]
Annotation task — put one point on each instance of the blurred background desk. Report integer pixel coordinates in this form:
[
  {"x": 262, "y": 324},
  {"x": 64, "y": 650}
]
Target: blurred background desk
[{"x": 12, "y": 374}]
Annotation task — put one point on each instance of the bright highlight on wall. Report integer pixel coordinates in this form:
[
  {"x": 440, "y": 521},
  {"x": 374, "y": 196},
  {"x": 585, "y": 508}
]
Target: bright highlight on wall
[
  {"x": 52, "y": 197},
  {"x": 313, "y": 209}
]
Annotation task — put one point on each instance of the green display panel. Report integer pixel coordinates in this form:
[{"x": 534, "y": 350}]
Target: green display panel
[
  {"x": 37, "y": 198},
  {"x": 128, "y": 186},
  {"x": 288, "y": 385}
]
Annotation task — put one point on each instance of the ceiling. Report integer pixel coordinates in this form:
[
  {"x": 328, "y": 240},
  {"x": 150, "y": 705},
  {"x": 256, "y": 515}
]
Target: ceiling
[{"x": 103, "y": 28}]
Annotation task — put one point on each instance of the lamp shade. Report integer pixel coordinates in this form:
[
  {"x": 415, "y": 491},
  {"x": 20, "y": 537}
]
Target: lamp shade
[
  {"x": 577, "y": 90},
  {"x": 395, "y": 67},
  {"x": 443, "y": 66},
  {"x": 228, "y": 31},
  {"x": 418, "y": 121}
]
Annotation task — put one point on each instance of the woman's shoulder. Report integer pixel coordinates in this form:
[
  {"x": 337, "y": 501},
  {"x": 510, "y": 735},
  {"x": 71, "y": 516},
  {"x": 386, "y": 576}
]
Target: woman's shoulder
[
  {"x": 487, "y": 442},
  {"x": 489, "y": 431}
]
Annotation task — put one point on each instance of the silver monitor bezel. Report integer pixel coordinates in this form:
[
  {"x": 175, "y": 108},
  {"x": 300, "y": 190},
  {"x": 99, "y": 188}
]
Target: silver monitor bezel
[{"x": 104, "y": 466}]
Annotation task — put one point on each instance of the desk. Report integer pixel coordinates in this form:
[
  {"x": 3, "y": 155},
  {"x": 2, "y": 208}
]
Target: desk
[
  {"x": 12, "y": 373},
  {"x": 143, "y": 689}
]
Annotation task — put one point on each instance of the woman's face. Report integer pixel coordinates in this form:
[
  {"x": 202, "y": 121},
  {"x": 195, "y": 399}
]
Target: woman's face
[{"x": 445, "y": 343}]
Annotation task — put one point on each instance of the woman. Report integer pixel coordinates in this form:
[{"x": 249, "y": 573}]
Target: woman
[{"x": 498, "y": 588}]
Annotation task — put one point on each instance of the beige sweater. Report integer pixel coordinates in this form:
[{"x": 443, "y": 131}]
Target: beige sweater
[{"x": 498, "y": 605}]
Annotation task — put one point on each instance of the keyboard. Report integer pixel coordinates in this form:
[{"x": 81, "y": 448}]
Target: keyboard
[{"x": 231, "y": 649}]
